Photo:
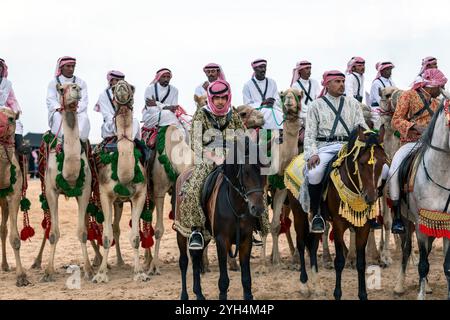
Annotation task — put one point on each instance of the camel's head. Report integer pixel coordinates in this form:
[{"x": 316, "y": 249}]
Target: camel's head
[
  {"x": 70, "y": 95},
  {"x": 200, "y": 101},
  {"x": 7, "y": 122},
  {"x": 290, "y": 99},
  {"x": 386, "y": 99},
  {"x": 367, "y": 113},
  {"x": 251, "y": 117},
  {"x": 123, "y": 93}
]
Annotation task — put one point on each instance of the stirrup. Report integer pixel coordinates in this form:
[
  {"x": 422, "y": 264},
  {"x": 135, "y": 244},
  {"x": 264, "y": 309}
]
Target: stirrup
[
  {"x": 316, "y": 230},
  {"x": 193, "y": 245},
  {"x": 256, "y": 242}
]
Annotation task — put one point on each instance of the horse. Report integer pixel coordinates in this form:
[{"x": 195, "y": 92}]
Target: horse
[
  {"x": 427, "y": 206},
  {"x": 238, "y": 207},
  {"x": 357, "y": 173}
]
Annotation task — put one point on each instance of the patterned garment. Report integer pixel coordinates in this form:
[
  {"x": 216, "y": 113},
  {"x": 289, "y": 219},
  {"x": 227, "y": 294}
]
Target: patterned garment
[
  {"x": 191, "y": 213},
  {"x": 320, "y": 121},
  {"x": 408, "y": 104}
]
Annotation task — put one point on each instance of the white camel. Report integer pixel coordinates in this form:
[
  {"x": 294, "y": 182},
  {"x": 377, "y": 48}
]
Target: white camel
[{"x": 69, "y": 181}]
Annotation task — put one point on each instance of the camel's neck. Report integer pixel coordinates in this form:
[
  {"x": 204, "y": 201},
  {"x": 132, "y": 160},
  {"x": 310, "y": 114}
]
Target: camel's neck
[
  {"x": 125, "y": 146},
  {"x": 72, "y": 147},
  {"x": 180, "y": 154}
]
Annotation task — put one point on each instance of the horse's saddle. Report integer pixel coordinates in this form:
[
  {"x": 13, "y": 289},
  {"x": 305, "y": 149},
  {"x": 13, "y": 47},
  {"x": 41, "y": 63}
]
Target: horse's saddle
[
  {"x": 407, "y": 173},
  {"x": 209, "y": 187}
]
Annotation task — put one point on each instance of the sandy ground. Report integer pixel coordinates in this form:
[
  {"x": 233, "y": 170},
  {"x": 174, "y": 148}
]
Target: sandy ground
[{"x": 277, "y": 283}]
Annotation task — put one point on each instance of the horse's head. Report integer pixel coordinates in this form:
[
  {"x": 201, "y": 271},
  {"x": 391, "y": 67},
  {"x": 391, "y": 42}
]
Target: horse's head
[
  {"x": 365, "y": 162},
  {"x": 290, "y": 100},
  {"x": 70, "y": 95},
  {"x": 200, "y": 101},
  {"x": 123, "y": 93},
  {"x": 7, "y": 123},
  {"x": 243, "y": 172},
  {"x": 251, "y": 117}
]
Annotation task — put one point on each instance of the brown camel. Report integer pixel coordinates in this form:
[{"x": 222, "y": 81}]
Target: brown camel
[{"x": 10, "y": 201}]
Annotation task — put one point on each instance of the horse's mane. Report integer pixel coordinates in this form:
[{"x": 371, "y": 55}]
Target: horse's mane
[
  {"x": 372, "y": 139},
  {"x": 427, "y": 136}
]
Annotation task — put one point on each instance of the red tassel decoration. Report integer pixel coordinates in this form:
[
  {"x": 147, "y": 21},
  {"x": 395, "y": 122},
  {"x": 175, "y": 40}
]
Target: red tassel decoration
[{"x": 285, "y": 225}]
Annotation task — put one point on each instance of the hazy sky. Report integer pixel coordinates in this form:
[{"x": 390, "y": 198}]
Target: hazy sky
[{"x": 139, "y": 37}]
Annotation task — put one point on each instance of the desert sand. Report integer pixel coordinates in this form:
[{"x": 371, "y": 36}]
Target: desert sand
[{"x": 278, "y": 283}]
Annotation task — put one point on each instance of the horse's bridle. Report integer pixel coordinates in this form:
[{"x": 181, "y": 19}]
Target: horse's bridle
[{"x": 241, "y": 190}]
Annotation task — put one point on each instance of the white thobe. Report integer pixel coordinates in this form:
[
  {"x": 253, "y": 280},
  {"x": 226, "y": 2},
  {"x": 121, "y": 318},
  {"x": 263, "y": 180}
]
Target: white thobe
[
  {"x": 5, "y": 90},
  {"x": 353, "y": 81},
  {"x": 105, "y": 107},
  {"x": 311, "y": 86},
  {"x": 378, "y": 84},
  {"x": 273, "y": 117},
  {"x": 53, "y": 103}
]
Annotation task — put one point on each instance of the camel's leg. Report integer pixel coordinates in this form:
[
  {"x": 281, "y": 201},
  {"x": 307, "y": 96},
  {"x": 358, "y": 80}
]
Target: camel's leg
[
  {"x": 83, "y": 201},
  {"x": 14, "y": 238},
  {"x": 148, "y": 257},
  {"x": 52, "y": 199},
  {"x": 159, "y": 231},
  {"x": 38, "y": 260},
  {"x": 118, "y": 209},
  {"x": 3, "y": 234},
  {"x": 98, "y": 256},
  {"x": 279, "y": 197},
  {"x": 205, "y": 262},
  {"x": 326, "y": 255},
  {"x": 294, "y": 253},
  {"x": 386, "y": 259},
  {"x": 351, "y": 255},
  {"x": 107, "y": 202},
  {"x": 373, "y": 256},
  {"x": 262, "y": 268},
  {"x": 137, "y": 204}
]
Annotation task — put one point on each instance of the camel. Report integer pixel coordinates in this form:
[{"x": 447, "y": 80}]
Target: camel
[
  {"x": 200, "y": 101},
  {"x": 282, "y": 155},
  {"x": 69, "y": 179},
  {"x": 10, "y": 196},
  {"x": 128, "y": 183}
]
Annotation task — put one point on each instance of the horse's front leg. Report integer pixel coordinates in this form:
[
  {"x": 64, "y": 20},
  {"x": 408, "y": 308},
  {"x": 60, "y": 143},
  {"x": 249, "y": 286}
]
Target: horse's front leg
[
  {"x": 339, "y": 260},
  {"x": 183, "y": 264},
  {"x": 425, "y": 246},
  {"x": 361, "y": 241},
  {"x": 197, "y": 256},
  {"x": 222, "y": 252},
  {"x": 244, "y": 260}
]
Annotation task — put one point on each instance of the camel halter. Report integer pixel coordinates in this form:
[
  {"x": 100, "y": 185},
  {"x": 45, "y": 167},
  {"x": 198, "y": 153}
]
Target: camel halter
[
  {"x": 62, "y": 108},
  {"x": 128, "y": 103}
]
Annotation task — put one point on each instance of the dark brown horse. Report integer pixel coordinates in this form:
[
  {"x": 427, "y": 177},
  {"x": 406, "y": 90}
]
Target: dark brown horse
[
  {"x": 238, "y": 207},
  {"x": 360, "y": 172},
  {"x": 304, "y": 239}
]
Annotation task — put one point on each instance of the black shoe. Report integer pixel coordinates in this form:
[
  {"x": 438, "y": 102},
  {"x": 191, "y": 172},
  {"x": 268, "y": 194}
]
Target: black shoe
[
  {"x": 373, "y": 223},
  {"x": 317, "y": 224},
  {"x": 256, "y": 242},
  {"x": 398, "y": 227},
  {"x": 196, "y": 241}
]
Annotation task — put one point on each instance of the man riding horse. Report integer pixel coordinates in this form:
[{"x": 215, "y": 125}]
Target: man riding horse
[
  {"x": 414, "y": 111},
  {"x": 217, "y": 116},
  {"x": 331, "y": 119}
]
